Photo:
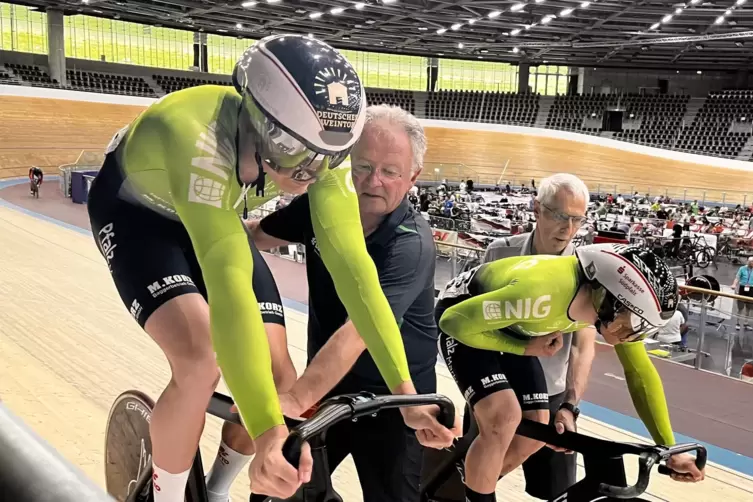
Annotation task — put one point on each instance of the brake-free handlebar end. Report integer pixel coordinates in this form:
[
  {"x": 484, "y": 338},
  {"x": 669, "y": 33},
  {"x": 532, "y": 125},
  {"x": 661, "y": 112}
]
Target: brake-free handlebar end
[{"x": 700, "y": 459}]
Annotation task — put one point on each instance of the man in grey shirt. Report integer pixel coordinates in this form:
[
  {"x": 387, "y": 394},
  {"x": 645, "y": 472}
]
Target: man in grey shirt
[{"x": 560, "y": 209}]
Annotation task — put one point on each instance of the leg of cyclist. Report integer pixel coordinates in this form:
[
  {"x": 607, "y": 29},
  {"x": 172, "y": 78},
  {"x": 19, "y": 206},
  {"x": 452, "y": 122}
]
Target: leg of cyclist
[{"x": 236, "y": 447}]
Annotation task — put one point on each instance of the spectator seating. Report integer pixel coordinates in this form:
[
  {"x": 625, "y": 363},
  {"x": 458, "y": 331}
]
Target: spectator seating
[
  {"x": 403, "y": 99},
  {"x": 571, "y": 112},
  {"x": 660, "y": 117},
  {"x": 476, "y": 106},
  {"x": 108, "y": 83},
  {"x": 715, "y": 129},
  {"x": 32, "y": 74},
  {"x": 172, "y": 83},
  {"x": 6, "y": 78}
]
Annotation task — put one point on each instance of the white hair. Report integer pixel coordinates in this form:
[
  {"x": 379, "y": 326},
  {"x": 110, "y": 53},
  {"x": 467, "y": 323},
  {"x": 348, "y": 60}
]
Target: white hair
[
  {"x": 410, "y": 124},
  {"x": 551, "y": 186}
]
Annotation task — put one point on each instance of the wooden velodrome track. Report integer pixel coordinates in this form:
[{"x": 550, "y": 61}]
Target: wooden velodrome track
[
  {"x": 69, "y": 126},
  {"x": 69, "y": 347}
]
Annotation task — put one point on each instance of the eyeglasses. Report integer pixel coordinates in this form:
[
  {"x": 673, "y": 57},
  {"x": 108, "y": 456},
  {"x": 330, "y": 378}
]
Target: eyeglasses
[
  {"x": 385, "y": 173},
  {"x": 562, "y": 218}
]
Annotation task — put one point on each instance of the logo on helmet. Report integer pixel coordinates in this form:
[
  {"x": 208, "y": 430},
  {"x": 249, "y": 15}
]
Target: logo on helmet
[
  {"x": 620, "y": 270},
  {"x": 339, "y": 91}
]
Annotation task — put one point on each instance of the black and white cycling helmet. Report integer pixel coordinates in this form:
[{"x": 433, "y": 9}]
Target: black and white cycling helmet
[
  {"x": 305, "y": 100},
  {"x": 633, "y": 279}
]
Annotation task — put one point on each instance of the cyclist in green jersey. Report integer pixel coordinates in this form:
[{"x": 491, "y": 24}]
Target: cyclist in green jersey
[
  {"x": 165, "y": 213},
  {"x": 492, "y": 315}
]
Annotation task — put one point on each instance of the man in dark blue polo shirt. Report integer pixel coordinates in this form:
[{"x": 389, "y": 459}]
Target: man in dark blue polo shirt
[{"x": 385, "y": 164}]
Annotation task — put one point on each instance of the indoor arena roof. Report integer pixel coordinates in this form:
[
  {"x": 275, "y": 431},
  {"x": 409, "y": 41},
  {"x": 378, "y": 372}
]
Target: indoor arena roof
[{"x": 694, "y": 34}]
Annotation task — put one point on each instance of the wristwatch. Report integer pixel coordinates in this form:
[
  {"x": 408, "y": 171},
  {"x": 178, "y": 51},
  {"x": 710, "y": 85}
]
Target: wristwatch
[{"x": 572, "y": 409}]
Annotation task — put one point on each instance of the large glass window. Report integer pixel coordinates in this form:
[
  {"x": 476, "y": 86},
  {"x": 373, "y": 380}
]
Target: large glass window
[{"x": 549, "y": 80}]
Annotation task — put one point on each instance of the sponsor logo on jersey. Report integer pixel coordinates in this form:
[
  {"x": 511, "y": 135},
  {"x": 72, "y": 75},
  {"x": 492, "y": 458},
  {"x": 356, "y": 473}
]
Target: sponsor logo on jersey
[
  {"x": 492, "y": 310},
  {"x": 526, "y": 308},
  {"x": 106, "y": 242},
  {"x": 158, "y": 288},
  {"x": 216, "y": 160}
]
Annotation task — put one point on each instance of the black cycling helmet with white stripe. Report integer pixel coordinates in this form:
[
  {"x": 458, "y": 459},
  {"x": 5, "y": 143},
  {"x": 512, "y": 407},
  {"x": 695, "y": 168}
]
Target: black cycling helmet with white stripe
[
  {"x": 630, "y": 279},
  {"x": 305, "y": 100}
]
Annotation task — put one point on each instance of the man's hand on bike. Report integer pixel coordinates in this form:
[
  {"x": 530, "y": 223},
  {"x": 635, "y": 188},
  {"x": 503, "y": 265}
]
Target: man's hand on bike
[
  {"x": 291, "y": 406},
  {"x": 564, "y": 421},
  {"x": 429, "y": 431},
  {"x": 544, "y": 346},
  {"x": 685, "y": 469},
  {"x": 270, "y": 474}
]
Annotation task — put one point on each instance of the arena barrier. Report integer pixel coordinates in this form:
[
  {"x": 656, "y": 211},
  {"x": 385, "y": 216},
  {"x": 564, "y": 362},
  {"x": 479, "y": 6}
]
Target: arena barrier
[{"x": 31, "y": 471}]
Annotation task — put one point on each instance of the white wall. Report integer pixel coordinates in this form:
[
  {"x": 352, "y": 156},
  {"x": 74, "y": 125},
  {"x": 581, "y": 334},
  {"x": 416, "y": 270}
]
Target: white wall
[{"x": 39, "y": 92}]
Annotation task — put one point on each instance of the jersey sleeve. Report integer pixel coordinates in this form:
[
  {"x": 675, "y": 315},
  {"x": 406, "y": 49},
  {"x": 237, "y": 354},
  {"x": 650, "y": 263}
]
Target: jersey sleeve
[
  {"x": 646, "y": 391},
  {"x": 200, "y": 186},
  {"x": 290, "y": 223},
  {"x": 476, "y": 321},
  {"x": 339, "y": 236}
]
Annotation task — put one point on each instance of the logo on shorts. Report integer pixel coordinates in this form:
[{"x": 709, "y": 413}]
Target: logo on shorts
[
  {"x": 136, "y": 309},
  {"x": 492, "y": 310},
  {"x": 537, "y": 397},
  {"x": 270, "y": 308},
  {"x": 158, "y": 288},
  {"x": 106, "y": 242},
  {"x": 493, "y": 379},
  {"x": 469, "y": 393}
]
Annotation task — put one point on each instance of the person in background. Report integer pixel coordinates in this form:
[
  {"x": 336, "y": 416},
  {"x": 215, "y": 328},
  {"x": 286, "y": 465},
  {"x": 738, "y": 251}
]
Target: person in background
[
  {"x": 590, "y": 235},
  {"x": 743, "y": 286},
  {"x": 560, "y": 210},
  {"x": 386, "y": 162},
  {"x": 673, "y": 330},
  {"x": 36, "y": 176},
  {"x": 676, "y": 238}
]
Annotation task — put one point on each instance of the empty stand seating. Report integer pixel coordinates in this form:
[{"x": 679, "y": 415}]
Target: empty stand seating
[
  {"x": 171, "y": 84},
  {"x": 476, "y": 106},
  {"x": 403, "y": 99},
  {"x": 571, "y": 112},
  {"x": 108, "y": 83},
  {"x": 32, "y": 74},
  {"x": 6, "y": 78},
  {"x": 722, "y": 125},
  {"x": 659, "y": 116}
]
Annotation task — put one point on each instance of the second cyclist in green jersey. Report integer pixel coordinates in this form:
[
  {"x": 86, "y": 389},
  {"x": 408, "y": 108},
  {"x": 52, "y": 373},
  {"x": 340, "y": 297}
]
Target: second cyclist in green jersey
[{"x": 493, "y": 315}]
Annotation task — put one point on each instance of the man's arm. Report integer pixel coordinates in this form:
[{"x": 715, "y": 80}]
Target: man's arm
[
  {"x": 579, "y": 367},
  {"x": 405, "y": 272},
  {"x": 262, "y": 240}
]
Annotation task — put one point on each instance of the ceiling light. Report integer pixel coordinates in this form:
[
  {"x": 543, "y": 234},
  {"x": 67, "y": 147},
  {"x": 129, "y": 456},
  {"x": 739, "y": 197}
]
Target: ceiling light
[
  {"x": 460, "y": 45},
  {"x": 529, "y": 26},
  {"x": 456, "y": 26},
  {"x": 738, "y": 44},
  {"x": 740, "y": 2},
  {"x": 693, "y": 2},
  {"x": 370, "y": 21},
  {"x": 315, "y": 15},
  {"x": 515, "y": 50},
  {"x": 540, "y": 1},
  {"x": 84, "y": 1},
  {"x": 515, "y": 32},
  {"x": 249, "y": 4},
  {"x": 585, "y": 4},
  {"x": 566, "y": 12},
  {"x": 471, "y": 21},
  {"x": 654, "y": 26},
  {"x": 494, "y": 14},
  {"x": 441, "y": 30},
  {"x": 547, "y": 19},
  {"x": 222, "y": 31},
  {"x": 422, "y": 28},
  {"x": 666, "y": 18},
  {"x": 440, "y": 53},
  {"x": 311, "y": 35},
  {"x": 481, "y": 57},
  {"x": 239, "y": 26},
  {"x": 484, "y": 51},
  {"x": 360, "y": 6},
  {"x": 699, "y": 72},
  {"x": 389, "y": 1},
  {"x": 678, "y": 10},
  {"x": 719, "y": 20},
  {"x": 517, "y": 7},
  {"x": 274, "y": 1},
  {"x": 337, "y": 10}
]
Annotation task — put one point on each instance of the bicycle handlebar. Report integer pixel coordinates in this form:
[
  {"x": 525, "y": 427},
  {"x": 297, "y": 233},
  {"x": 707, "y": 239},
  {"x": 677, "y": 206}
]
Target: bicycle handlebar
[{"x": 353, "y": 406}]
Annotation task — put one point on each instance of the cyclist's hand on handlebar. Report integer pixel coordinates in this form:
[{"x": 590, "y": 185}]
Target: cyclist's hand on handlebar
[
  {"x": 429, "y": 431},
  {"x": 270, "y": 474},
  {"x": 544, "y": 346},
  {"x": 685, "y": 470},
  {"x": 564, "y": 421}
]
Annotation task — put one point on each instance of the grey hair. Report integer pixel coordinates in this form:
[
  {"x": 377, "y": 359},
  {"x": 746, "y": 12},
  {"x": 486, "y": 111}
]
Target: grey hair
[
  {"x": 410, "y": 124},
  {"x": 551, "y": 186}
]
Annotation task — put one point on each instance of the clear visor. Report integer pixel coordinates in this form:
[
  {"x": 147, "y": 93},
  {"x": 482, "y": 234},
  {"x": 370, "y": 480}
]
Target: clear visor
[
  {"x": 621, "y": 322},
  {"x": 285, "y": 153}
]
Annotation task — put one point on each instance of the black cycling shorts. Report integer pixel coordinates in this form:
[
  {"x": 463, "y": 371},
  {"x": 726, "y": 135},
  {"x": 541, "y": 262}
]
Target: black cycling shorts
[
  {"x": 480, "y": 373},
  {"x": 150, "y": 256}
]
